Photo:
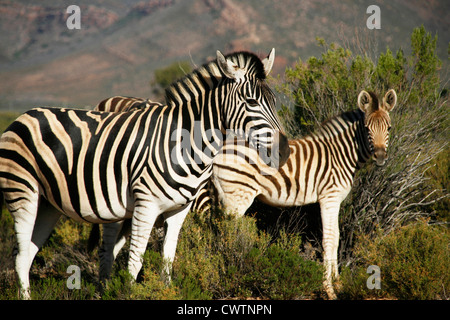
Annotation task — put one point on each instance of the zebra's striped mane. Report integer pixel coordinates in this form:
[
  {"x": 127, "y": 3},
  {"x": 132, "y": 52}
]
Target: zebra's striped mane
[
  {"x": 336, "y": 125},
  {"x": 209, "y": 76}
]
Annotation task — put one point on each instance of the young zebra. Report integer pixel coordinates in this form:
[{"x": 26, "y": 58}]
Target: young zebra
[
  {"x": 102, "y": 167},
  {"x": 320, "y": 168}
]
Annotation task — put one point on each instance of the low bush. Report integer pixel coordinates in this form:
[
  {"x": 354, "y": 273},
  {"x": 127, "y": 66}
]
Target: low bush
[
  {"x": 279, "y": 272},
  {"x": 221, "y": 256},
  {"x": 218, "y": 256},
  {"x": 152, "y": 286},
  {"x": 413, "y": 262}
]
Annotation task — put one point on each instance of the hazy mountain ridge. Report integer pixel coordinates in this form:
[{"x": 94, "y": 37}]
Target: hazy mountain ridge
[{"x": 121, "y": 43}]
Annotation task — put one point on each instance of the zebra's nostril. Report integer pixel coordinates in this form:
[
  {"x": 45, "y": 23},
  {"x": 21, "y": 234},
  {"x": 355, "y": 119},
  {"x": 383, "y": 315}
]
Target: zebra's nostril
[{"x": 380, "y": 154}]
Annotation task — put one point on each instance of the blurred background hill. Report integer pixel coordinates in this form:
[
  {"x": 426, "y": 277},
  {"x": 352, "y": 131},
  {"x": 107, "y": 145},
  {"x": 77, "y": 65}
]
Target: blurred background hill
[{"x": 122, "y": 43}]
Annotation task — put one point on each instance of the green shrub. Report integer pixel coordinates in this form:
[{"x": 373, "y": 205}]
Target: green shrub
[
  {"x": 6, "y": 118},
  {"x": 55, "y": 288},
  {"x": 220, "y": 256},
  {"x": 413, "y": 262},
  {"x": 438, "y": 176},
  {"x": 152, "y": 286},
  {"x": 279, "y": 272},
  {"x": 210, "y": 254}
]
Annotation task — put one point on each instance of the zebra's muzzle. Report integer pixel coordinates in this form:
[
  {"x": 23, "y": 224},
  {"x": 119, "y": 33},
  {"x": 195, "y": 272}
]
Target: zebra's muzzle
[{"x": 380, "y": 156}]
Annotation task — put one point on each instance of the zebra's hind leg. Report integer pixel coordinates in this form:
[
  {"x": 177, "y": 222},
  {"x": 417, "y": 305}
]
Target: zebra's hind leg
[
  {"x": 46, "y": 219},
  {"x": 174, "y": 222},
  {"x": 330, "y": 225},
  {"x": 24, "y": 214}
]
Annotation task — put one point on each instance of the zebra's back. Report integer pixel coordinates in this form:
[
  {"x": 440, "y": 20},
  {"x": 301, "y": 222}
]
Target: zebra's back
[
  {"x": 75, "y": 160},
  {"x": 120, "y": 104}
]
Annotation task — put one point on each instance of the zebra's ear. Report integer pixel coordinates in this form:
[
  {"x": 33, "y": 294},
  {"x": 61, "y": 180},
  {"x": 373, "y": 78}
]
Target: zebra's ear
[
  {"x": 229, "y": 68},
  {"x": 364, "y": 101},
  {"x": 268, "y": 62},
  {"x": 390, "y": 100}
]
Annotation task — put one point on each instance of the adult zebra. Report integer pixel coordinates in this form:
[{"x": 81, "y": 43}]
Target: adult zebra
[
  {"x": 102, "y": 167},
  {"x": 320, "y": 168},
  {"x": 115, "y": 234}
]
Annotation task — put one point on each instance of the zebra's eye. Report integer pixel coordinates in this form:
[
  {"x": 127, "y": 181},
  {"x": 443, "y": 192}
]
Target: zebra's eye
[
  {"x": 389, "y": 128},
  {"x": 252, "y": 102}
]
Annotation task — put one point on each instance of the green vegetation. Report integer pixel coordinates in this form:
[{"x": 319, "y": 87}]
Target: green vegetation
[
  {"x": 6, "y": 118},
  {"x": 396, "y": 217},
  {"x": 218, "y": 256},
  {"x": 413, "y": 261},
  {"x": 228, "y": 257},
  {"x": 165, "y": 76}
]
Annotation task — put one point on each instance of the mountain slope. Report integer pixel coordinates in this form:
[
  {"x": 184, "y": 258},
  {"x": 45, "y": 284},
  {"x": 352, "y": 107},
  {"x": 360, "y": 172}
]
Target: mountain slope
[{"x": 121, "y": 43}]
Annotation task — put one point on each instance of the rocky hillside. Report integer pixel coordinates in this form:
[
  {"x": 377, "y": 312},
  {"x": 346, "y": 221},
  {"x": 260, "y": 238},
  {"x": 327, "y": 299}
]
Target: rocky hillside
[{"x": 121, "y": 43}]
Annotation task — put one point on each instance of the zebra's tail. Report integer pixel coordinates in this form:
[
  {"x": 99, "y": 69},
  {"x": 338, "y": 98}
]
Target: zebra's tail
[{"x": 94, "y": 238}]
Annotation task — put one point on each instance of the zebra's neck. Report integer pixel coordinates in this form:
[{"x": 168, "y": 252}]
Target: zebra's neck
[
  {"x": 196, "y": 99},
  {"x": 348, "y": 127}
]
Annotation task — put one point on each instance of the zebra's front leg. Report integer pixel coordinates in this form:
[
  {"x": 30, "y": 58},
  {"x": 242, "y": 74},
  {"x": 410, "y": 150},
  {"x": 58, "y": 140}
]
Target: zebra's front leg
[
  {"x": 144, "y": 217},
  {"x": 174, "y": 222},
  {"x": 330, "y": 226}
]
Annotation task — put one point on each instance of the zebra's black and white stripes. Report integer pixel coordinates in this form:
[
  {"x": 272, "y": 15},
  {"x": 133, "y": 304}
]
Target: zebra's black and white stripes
[
  {"x": 123, "y": 104},
  {"x": 115, "y": 234},
  {"x": 320, "y": 168},
  {"x": 103, "y": 167}
]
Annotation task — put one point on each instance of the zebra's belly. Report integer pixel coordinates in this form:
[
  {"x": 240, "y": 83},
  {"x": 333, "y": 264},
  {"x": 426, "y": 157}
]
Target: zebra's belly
[
  {"x": 288, "y": 200},
  {"x": 93, "y": 209},
  {"x": 105, "y": 214},
  {"x": 99, "y": 206},
  {"x": 100, "y": 215}
]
